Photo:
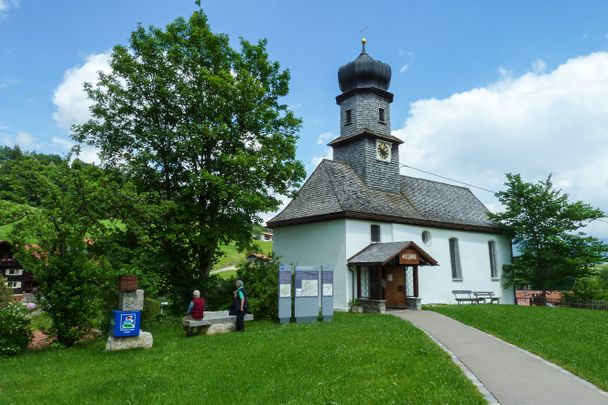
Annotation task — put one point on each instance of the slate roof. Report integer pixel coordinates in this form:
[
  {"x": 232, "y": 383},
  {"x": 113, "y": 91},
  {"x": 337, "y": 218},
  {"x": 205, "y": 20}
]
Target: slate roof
[
  {"x": 334, "y": 190},
  {"x": 382, "y": 253},
  {"x": 366, "y": 132}
]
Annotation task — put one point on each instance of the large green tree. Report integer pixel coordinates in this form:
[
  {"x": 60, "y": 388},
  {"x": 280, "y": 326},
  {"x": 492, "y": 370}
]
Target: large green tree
[
  {"x": 62, "y": 202},
  {"x": 546, "y": 230},
  {"x": 201, "y": 129},
  {"x": 76, "y": 227}
]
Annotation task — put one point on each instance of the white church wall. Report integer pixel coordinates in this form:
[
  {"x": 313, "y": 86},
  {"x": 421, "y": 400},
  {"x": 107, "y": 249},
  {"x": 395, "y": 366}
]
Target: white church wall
[
  {"x": 318, "y": 244},
  {"x": 358, "y": 234},
  {"x": 436, "y": 283}
]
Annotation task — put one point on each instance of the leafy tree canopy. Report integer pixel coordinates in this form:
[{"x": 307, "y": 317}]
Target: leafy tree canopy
[
  {"x": 545, "y": 227},
  {"x": 75, "y": 232},
  {"x": 200, "y": 128}
]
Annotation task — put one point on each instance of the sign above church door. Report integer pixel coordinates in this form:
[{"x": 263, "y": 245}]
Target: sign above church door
[{"x": 409, "y": 256}]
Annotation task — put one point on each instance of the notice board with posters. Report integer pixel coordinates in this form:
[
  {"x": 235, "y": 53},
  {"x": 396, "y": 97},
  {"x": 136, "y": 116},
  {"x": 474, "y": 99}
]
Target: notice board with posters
[
  {"x": 307, "y": 293},
  {"x": 327, "y": 299},
  {"x": 285, "y": 293}
]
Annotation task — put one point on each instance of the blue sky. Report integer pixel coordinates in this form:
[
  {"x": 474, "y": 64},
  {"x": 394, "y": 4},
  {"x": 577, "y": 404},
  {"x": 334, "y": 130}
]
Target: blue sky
[{"x": 481, "y": 88}]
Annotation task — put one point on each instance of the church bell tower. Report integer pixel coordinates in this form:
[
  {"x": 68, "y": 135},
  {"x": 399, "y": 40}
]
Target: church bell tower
[{"x": 365, "y": 141}]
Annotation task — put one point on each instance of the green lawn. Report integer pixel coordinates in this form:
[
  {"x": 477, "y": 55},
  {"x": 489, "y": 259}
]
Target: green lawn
[
  {"x": 232, "y": 256},
  {"x": 356, "y": 359},
  {"x": 576, "y": 339},
  {"x": 227, "y": 274},
  {"x": 5, "y": 230}
]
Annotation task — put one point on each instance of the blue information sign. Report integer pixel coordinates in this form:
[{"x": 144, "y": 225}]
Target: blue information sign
[
  {"x": 285, "y": 294},
  {"x": 126, "y": 323}
]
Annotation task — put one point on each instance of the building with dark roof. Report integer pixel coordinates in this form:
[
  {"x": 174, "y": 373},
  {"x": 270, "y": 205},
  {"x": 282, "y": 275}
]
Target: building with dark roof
[
  {"x": 359, "y": 206},
  {"x": 18, "y": 280}
]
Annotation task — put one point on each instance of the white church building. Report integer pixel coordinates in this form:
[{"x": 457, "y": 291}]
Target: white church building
[{"x": 391, "y": 239}]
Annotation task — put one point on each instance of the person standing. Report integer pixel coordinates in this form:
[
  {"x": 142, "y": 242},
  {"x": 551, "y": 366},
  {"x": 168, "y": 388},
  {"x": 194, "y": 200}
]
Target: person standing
[{"x": 240, "y": 300}]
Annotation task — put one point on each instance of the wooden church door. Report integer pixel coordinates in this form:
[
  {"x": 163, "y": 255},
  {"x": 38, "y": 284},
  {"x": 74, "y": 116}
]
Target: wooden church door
[{"x": 394, "y": 292}]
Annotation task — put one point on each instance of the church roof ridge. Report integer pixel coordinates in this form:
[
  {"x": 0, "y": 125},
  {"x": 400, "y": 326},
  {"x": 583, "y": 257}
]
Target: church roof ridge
[{"x": 435, "y": 181}]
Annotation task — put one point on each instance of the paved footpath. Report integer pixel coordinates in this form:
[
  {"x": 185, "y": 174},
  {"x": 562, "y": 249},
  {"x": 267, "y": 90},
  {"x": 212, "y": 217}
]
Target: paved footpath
[{"x": 512, "y": 375}]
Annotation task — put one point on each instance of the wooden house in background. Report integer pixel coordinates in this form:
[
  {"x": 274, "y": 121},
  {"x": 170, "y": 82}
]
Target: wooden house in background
[{"x": 16, "y": 278}]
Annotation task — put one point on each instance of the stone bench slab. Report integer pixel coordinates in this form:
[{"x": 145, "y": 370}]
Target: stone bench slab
[{"x": 214, "y": 322}]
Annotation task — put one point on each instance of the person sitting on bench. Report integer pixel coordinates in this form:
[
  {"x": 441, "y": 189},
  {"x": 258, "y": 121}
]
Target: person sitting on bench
[{"x": 196, "y": 309}]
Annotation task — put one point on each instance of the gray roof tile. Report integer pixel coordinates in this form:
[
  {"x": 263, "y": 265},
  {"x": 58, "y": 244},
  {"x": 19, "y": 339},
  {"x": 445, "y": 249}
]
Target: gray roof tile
[
  {"x": 378, "y": 253},
  {"x": 335, "y": 190}
]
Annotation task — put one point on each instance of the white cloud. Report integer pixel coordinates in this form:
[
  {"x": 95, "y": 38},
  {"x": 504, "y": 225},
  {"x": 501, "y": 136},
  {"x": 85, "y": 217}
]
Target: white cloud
[
  {"x": 8, "y": 82},
  {"x": 324, "y": 137},
  {"x": 535, "y": 124},
  {"x": 504, "y": 73},
  {"x": 66, "y": 143},
  {"x": 317, "y": 159},
  {"x": 6, "y": 140},
  {"x": 70, "y": 99},
  {"x": 404, "y": 68},
  {"x": 6, "y": 5},
  {"x": 539, "y": 66},
  {"x": 25, "y": 141},
  {"x": 87, "y": 153},
  {"x": 267, "y": 216}
]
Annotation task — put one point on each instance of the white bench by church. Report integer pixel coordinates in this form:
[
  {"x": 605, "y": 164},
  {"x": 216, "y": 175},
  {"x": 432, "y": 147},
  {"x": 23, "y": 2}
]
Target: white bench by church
[{"x": 213, "y": 322}]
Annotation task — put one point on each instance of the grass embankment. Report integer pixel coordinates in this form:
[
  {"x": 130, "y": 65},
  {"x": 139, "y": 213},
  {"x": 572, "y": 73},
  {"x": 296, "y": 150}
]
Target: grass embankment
[
  {"x": 355, "y": 359},
  {"x": 232, "y": 256},
  {"x": 5, "y": 230},
  {"x": 576, "y": 339}
]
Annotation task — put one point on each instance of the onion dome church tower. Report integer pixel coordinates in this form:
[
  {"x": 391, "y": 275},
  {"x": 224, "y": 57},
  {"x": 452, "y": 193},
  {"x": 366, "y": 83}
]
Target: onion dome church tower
[{"x": 365, "y": 142}]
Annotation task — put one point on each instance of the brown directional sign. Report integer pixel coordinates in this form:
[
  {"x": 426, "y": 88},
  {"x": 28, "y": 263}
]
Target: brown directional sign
[
  {"x": 409, "y": 256},
  {"x": 127, "y": 283}
]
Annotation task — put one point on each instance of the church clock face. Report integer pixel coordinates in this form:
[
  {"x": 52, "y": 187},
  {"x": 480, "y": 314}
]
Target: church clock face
[{"x": 383, "y": 151}]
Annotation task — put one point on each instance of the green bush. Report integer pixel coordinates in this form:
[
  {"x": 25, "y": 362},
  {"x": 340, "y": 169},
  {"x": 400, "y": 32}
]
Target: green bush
[
  {"x": 151, "y": 311},
  {"x": 219, "y": 293},
  {"x": 261, "y": 283},
  {"x": 71, "y": 296},
  {"x": 15, "y": 329},
  {"x": 588, "y": 288},
  {"x": 5, "y": 293}
]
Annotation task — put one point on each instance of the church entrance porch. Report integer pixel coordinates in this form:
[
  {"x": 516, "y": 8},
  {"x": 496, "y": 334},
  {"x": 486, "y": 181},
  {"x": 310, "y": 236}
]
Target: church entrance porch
[{"x": 386, "y": 275}]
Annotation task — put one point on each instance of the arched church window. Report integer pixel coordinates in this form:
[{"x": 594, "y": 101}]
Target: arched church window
[
  {"x": 455, "y": 260},
  {"x": 493, "y": 266},
  {"x": 426, "y": 238}
]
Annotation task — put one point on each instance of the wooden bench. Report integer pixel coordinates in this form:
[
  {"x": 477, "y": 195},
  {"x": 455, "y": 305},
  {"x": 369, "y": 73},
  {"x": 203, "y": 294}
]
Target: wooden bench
[
  {"x": 465, "y": 296},
  {"x": 486, "y": 295},
  {"x": 213, "y": 322}
]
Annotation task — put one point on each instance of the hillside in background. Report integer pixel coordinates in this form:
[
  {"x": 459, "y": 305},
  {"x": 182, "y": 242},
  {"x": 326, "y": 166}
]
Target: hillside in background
[
  {"x": 232, "y": 256},
  {"x": 5, "y": 230}
]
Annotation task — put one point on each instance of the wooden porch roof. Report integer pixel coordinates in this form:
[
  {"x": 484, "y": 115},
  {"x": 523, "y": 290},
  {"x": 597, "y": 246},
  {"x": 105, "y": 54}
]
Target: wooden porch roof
[{"x": 379, "y": 254}]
